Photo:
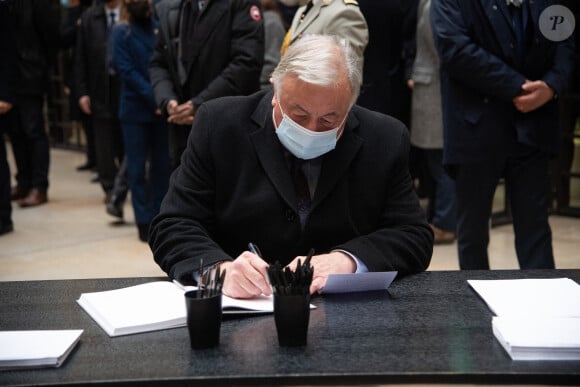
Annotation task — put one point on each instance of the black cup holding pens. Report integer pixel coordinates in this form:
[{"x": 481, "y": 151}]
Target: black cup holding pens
[
  {"x": 292, "y": 301},
  {"x": 204, "y": 319},
  {"x": 292, "y": 314}
]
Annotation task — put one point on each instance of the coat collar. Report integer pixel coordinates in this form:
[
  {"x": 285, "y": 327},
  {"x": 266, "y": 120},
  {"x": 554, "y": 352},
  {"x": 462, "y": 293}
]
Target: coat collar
[
  {"x": 270, "y": 152},
  {"x": 310, "y": 17}
]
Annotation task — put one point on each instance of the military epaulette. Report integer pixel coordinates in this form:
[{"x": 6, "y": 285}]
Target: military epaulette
[{"x": 350, "y": 2}]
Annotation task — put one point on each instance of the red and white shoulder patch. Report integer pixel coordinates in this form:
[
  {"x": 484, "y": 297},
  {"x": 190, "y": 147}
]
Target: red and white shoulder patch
[{"x": 255, "y": 13}]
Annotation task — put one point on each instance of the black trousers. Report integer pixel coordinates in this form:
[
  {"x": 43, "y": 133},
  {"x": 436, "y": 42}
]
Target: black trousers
[
  {"x": 109, "y": 149},
  {"x": 30, "y": 142},
  {"x": 525, "y": 171},
  {"x": 178, "y": 135},
  {"x": 5, "y": 205}
]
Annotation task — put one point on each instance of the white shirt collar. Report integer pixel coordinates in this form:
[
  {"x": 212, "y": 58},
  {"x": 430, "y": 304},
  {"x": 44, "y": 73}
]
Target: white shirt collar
[{"x": 515, "y": 3}]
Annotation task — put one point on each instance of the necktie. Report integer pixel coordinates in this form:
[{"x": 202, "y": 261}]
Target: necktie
[
  {"x": 111, "y": 20},
  {"x": 518, "y": 26},
  {"x": 301, "y": 187},
  {"x": 190, "y": 12},
  {"x": 109, "y": 58}
]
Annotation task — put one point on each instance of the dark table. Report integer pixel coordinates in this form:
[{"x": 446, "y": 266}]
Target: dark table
[{"x": 427, "y": 328}]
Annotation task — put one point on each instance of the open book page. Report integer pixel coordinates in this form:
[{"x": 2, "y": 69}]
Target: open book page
[
  {"x": 153, "y": 306},
  {"x": 36, "y": 348},
  {"x": 546, "y": 296},
  {"x": 259, "y": 304}
]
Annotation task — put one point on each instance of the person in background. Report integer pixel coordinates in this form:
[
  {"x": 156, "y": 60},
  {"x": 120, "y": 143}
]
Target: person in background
[
  {"x": 569, "y": 103},
  {"x": 35, "y": 23},
  {"x": 391, "y": 26},
  {"x": 294, "y": 168},
  {"x": 274, "y": 32},
  {"x": 144, "y": 130},
  {"x": 205, "y": 49},
  {"x": 97, "y": 85},
  {"x": 287, "y": 10},
  {"x": 388, "y": 59},
  {"x": 500, "y": 76},
  {"x": 330, "y": 17},
  {"x": 73, "y": 9},
  {"x": 427, "y": 127},
  {"x": 8, "y": 82}
]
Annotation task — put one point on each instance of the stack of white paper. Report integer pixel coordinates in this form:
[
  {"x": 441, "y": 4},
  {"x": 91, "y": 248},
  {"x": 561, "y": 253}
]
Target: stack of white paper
[
  {"x": 537, "y": 319},
  {"x": 36, "y": 348}
]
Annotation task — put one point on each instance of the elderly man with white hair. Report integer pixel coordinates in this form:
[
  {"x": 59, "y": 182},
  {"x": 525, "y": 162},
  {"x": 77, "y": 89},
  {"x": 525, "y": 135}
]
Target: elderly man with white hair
[{"x": 292, "y": 169}]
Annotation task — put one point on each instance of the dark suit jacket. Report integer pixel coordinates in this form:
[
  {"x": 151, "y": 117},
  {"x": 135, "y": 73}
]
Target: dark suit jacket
[
  {"x": 91, "y": 66},
  {"x": 233, "y": 187},
  {"x": 35, "y": 24},
  {"x": 481, "y": 74},
  {"x": 229, "y": 52},
  {"x": 131, "y": 50},
  {"x": 391, "y": 25}
]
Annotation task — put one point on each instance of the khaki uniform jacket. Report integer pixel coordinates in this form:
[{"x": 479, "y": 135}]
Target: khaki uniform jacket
[{"x": 331, "y": 17}]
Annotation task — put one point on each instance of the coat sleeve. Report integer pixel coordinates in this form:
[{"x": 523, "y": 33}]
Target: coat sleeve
[
  {"x": 180, "y": 233},
  {"x": 80, "y": 68},
  {"x": 464, "y": 60},
  {"x": 402, "y": 240},
  {"x": 159, "y": 66},
  {"x": 559, "y": 75},
  {"x": 242, "y": 74}
]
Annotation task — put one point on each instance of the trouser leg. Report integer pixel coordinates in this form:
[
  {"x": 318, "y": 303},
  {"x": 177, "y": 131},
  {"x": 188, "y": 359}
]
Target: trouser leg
[
  {"x": 474, "y": 186},
  {"x": 527, "y": 185}
]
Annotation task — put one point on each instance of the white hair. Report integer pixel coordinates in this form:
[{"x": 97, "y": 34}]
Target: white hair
[{"x": 320, "y": 60}]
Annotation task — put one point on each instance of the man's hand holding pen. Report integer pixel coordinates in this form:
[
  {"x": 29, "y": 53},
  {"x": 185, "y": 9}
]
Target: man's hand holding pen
[{"x": 247, "y": 275}]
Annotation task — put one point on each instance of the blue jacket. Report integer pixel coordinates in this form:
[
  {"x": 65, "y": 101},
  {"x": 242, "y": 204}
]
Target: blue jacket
[
  {"x": 481, "y": 74},
  {"x": 131, "y": 50}
]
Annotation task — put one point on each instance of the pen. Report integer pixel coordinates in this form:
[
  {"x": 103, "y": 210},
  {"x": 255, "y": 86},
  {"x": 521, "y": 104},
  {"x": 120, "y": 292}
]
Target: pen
[{"x": 254, "y": 249}]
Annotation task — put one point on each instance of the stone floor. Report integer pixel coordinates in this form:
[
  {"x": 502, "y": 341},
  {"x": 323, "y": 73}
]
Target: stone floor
[{"x": 73, "y": 237}]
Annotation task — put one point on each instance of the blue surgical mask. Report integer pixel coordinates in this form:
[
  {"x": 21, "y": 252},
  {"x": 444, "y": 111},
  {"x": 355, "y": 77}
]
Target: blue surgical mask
[
  {"x": 304, "y": 143},
  {"x": 65, "y": 3}
]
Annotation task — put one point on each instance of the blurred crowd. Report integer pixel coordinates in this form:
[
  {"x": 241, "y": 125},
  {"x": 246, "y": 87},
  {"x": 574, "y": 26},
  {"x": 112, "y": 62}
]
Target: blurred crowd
[{"x": 135, "y": 72}]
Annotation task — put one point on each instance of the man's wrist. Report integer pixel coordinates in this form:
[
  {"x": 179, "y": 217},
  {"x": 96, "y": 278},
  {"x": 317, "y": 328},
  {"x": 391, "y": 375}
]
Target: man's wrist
[{"x": 360, "y": 267}]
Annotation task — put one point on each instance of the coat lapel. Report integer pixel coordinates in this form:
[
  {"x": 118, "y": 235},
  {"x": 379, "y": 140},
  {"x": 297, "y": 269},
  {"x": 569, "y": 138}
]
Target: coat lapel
[
  {"x": 270, "y": 152},
  {"x": 335, "y": 164},
  {"x": 308, "y": 19},
  {"x": 206, "y": 23},
  {"x": 498, "y": 14}
]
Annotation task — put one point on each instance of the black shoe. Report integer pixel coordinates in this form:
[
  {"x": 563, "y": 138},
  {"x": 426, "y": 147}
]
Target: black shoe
[
  {"x": 6, "y": 227},
  {"x": 115, "y": 207},
  {"x": 143, "y": 232},
  {"x": 86, "y": 167}
]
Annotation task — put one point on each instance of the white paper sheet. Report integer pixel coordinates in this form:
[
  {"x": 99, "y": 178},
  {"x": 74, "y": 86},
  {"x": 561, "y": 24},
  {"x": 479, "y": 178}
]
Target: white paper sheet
[
  {"x": 358, "y": 282},
  {"x": 544, "y": 296},
  {"x": 36, "y": 348}
]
